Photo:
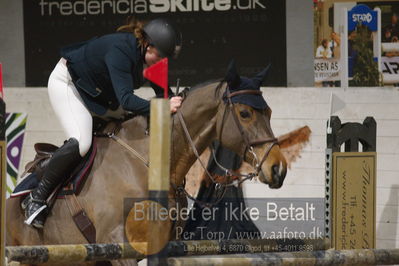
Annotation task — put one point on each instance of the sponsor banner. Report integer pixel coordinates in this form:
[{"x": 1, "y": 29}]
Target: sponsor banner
[
  {"x": 354, "y": 199},
  {"x": 364, "y": 15},
  {"x": 326, "y": 70},
  {"x": 15, "y": 131},
  {"x": 214, "y": 31},
  {"x": 390, "y": 65}
]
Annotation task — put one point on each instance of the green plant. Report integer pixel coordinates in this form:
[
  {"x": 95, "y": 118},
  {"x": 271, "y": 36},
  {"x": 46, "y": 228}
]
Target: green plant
[{"x": 365, "y": 70}]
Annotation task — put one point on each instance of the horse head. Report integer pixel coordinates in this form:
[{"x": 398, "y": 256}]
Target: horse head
[
  {"x": 239, "y": 118},
  {"x": 243, "y": 125}
]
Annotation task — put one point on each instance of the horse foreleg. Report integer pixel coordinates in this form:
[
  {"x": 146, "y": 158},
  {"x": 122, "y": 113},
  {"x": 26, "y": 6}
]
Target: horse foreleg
[{"x": 17, "y": 232}]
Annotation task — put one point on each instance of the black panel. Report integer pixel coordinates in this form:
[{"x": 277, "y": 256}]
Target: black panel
[{"x": 251, "y": 31}]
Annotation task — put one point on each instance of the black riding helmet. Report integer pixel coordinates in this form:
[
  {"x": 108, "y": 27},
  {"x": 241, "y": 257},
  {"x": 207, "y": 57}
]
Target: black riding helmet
[{"x": 163, "y": 36}]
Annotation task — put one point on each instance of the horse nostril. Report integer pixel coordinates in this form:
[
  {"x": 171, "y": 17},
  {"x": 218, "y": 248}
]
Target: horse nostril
[
  {"x": 278, "y": 170},
  {"x": 278, "y": 175},
  {"x": 275, "y": 170}
]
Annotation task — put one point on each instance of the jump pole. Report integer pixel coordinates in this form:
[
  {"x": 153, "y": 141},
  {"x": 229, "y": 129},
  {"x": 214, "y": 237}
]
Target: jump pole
[
  {"x": 158, "y": 182},
  {"x": 3, "y": 177},
  {"x": 159, "y": 166},
  {"x": 326, "y": 257},
  {"x": 101, "y": 252}
]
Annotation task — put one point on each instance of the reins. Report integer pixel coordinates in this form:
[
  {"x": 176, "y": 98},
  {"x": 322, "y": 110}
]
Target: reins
[
  {"x": 112, "y": 135},
  {"x": 249, "y": 147}
]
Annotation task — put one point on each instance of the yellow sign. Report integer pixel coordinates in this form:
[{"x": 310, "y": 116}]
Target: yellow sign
[{"x": 354, "y": 191}]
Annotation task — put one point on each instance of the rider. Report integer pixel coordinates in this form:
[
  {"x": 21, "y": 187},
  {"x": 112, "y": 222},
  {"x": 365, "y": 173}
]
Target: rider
[{"x": 98, "y": 78}]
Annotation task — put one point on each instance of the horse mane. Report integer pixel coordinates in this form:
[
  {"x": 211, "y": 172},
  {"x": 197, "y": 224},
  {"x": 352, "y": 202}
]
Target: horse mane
[
  {"x": 206, "y": 83},
  {"x": 137, "y": 118},
  {"x": 219, "y": 87},
  {"x": 203, "y": 84}
]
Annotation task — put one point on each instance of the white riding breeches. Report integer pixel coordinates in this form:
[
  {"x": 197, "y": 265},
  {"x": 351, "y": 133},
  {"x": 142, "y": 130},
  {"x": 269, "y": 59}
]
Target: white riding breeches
[{"x": 74, "y": 116}]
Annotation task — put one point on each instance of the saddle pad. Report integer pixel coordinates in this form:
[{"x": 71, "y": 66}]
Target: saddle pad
[{"x": 74, "y": 186}]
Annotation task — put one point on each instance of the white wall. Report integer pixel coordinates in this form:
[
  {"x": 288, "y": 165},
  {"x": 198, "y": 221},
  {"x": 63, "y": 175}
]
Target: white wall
[
  {"x": 292, "y": 108},
  {"x": 296, "y": 107}
]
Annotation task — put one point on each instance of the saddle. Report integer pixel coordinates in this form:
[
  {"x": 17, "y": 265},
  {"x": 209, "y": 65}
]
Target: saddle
[
  {"x": 44, "y": 151},
  {"x": 34, "y": 171}
]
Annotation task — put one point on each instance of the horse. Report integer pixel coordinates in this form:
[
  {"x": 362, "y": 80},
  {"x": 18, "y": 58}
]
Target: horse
[
  {"x": 118, "y": 174},
  {"x": 202, "y": 189}
]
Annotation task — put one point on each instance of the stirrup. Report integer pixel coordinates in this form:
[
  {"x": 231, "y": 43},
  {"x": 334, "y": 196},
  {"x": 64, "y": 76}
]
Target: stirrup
[
  {"x": 25, "y": 202},
  {"x": 33, "y": 216}
]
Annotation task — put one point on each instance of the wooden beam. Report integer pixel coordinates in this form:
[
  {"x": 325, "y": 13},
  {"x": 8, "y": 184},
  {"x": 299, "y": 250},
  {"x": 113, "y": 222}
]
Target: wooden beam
[
  {"x": 93, "y": 252},
  {"x": 159, "y": 180},
  {"x": 3, "y": 181}
]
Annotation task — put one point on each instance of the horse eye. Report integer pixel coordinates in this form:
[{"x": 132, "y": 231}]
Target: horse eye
[{"x": 245, "y": 114}]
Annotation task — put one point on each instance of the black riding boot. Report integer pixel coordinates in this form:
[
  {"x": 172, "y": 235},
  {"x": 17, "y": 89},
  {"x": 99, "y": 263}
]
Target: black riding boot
[{"x": 60, "y": 167}]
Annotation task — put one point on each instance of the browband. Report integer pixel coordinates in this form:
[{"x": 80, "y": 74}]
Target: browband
[{"x": 232, "y": 94}]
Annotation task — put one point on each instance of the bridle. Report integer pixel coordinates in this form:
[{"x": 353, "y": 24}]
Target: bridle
[
  {"x": 249, "y": 144},
  {"x": 249, "y": 147}
]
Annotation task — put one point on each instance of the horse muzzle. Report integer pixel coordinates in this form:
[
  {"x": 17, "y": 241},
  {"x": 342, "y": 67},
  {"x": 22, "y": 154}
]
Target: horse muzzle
[{"x": 273, "y": 169}]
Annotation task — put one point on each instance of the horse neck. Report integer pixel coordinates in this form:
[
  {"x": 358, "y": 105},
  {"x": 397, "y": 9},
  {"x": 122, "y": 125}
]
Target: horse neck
[{"x": 199, "y": 112}]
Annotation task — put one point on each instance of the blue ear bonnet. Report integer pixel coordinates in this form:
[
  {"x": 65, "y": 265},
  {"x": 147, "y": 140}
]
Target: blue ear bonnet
[{"x": 238, "y": 83}]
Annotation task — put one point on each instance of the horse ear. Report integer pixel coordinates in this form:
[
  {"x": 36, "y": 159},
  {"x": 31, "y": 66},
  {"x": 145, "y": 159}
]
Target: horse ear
[
  {"x": 258, "y": 79},
  {"x": 232, "y": 77}
]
